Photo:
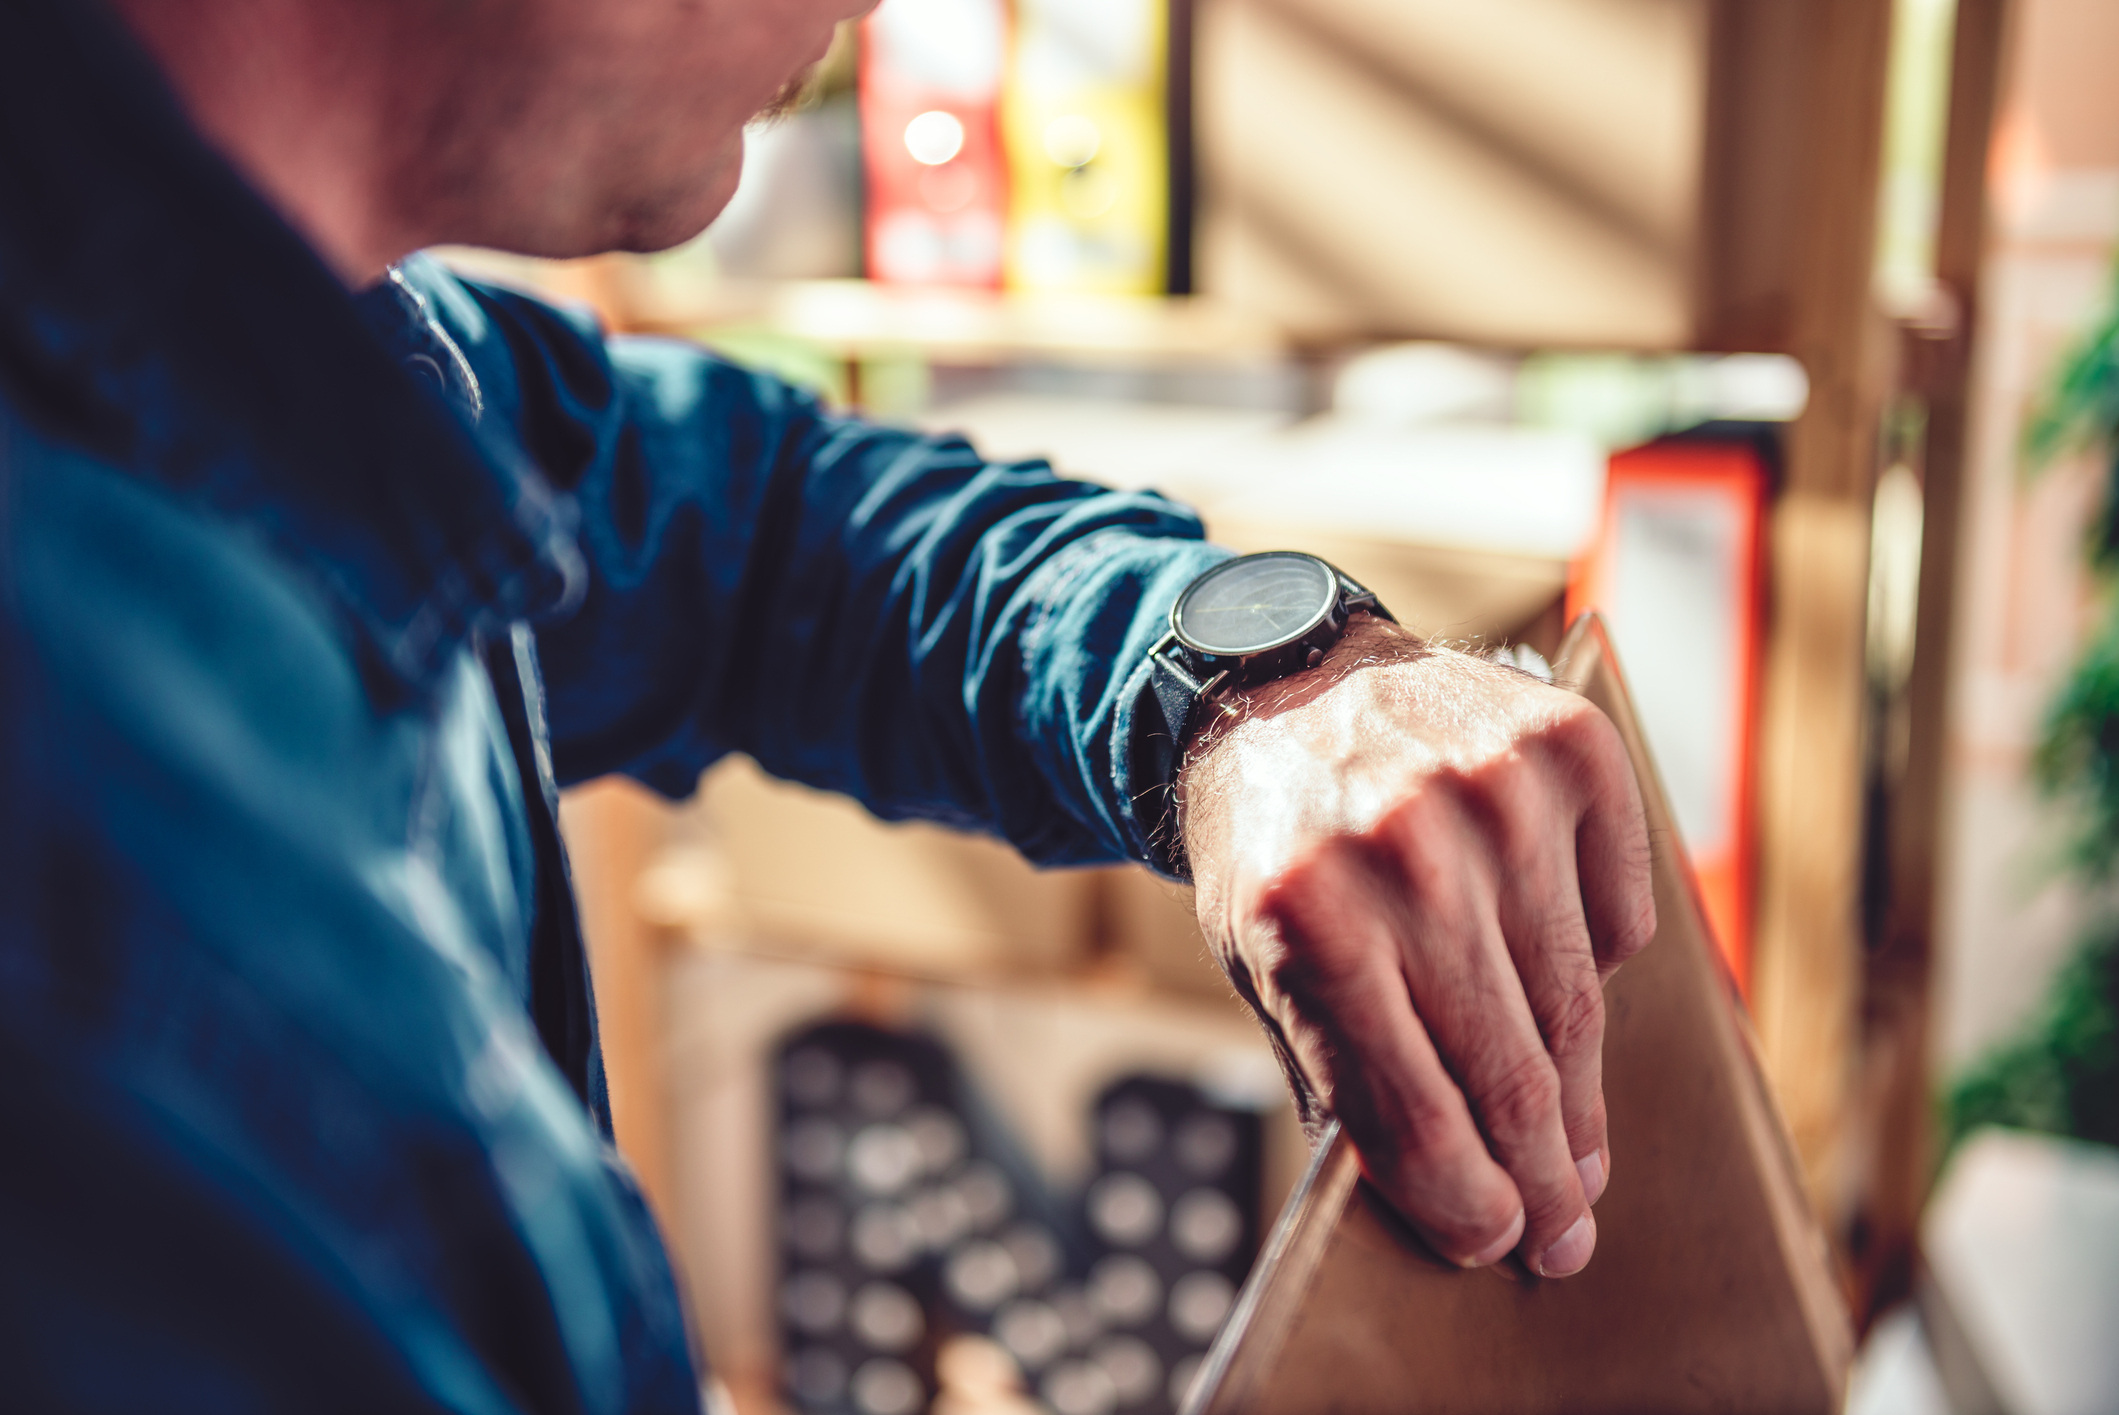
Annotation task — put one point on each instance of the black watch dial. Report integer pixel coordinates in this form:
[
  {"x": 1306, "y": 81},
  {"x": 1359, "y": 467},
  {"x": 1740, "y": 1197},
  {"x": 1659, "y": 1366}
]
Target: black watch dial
[{"x": 1255, "y": 603}]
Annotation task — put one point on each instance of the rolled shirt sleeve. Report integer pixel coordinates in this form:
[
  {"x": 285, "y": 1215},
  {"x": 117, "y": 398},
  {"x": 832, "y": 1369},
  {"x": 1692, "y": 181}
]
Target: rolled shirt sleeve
[{"x": 861, "y": 608}]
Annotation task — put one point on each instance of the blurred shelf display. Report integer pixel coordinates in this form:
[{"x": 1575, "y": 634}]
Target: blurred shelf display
[
  {"x": 1088, "y": 141},
  {"x": 740, "y": 874},
  {"x": 1569, "y": 191},
  {"x": 857, "y": 318},
  {"x": 1678, "y": 570},
  {"x": 909, "y": 1219},
  {"x": 937, "y": 180},
  {"x": 1175, "y": 1214},
  {"x": 901, "y": 1217},
  {"x": 684, "y": 293},
  {"x": 910, "y": 899},
  {"x": 934, "y": 1175}
]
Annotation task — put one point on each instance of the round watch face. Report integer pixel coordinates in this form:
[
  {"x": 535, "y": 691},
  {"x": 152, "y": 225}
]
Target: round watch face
[{"x": 1255, "y": 603}]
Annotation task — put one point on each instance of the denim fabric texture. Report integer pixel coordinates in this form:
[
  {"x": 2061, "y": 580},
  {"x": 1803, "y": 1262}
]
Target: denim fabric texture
[{"x": 309, "y": 604}]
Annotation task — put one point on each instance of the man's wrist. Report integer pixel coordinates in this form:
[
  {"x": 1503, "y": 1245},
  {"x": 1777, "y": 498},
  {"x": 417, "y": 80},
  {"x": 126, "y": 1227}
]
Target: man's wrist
[
  {"x": 1370, "y": 641},
  {"x": 1190, "y": 681}
]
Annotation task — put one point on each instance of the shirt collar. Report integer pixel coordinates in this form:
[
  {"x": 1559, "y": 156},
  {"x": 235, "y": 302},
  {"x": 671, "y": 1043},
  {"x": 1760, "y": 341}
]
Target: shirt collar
[{"x": 155, "y": 310}]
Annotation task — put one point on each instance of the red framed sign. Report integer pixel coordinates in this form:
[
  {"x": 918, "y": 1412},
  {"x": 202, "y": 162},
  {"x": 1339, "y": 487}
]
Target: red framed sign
[{"x": 1678, "y": 572}]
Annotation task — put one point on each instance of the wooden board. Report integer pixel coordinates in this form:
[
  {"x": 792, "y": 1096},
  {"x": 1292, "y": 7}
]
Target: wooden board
[{"x": 1711, "y": 1288}]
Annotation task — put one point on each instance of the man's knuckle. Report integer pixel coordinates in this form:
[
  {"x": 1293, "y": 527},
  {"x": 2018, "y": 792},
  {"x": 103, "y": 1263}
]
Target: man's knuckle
[
  {"x": 1420, "y": 843},
  {"x": 1288, "y": 904},
  {"x": 1512, "y": 798},
  {"x": 1587, "y": 1126},
  {"x": 1585, "y": 728},
  {"x": 1241, "y": 959},
  {"x": 1414, "y": 823},
  {"x": 1295, "y": 890},
  {"x": 1522, "y": 1096},
  {"x": 1578, "y": 742},
  {"x": 1574, "y": 1019},
  {"x": 1431, "y": 1125},
  {"x": 1311, "y": 959},
  {"x": 1636, "y": 928},
  {"x": 1333, "y": 958}
]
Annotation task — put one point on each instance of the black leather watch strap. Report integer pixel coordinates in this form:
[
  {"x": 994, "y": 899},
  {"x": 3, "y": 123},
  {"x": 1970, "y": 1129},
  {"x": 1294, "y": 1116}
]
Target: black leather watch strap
[
  {"x": 1177, "y": 693},
  {"x": 1158, "y": 753}
]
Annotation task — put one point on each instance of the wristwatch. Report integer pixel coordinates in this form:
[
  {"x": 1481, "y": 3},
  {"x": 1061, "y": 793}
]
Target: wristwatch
[{"x": 1242, "y": 622}]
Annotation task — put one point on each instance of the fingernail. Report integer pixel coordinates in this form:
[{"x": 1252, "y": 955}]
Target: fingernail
[
  {"x": 1501, "y": 1247},
  {"x": 1591, "y": 1168},
  {"x": 1571, "y": 1254}
]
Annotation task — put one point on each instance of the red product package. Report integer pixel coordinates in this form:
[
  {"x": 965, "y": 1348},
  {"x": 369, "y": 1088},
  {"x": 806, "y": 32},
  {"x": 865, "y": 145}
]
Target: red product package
[{"x": 937, "y": 196}]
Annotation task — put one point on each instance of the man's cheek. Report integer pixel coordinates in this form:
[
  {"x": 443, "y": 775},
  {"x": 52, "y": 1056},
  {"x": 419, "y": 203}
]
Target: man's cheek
[
  {"x": 718, "y": 185},
  {"x": 727, "y": 176}
]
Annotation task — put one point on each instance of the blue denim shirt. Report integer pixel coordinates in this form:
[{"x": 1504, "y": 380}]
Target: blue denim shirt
[{"x": 308, "y": 605}]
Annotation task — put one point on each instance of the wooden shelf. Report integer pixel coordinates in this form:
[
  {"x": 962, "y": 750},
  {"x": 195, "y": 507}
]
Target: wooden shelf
[{"x": 860, "y": 319}]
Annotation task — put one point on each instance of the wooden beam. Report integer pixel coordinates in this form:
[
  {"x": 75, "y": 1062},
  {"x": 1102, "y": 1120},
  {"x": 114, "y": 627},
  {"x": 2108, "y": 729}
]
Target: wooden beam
[
  {"x": 1938, "y": 372},
  {"x": 612, "y": 829},
  {"x": 1796, "y": 103},
  {"x": 1895, "y": 1086},
  {"x": 1807, "y": 946}
]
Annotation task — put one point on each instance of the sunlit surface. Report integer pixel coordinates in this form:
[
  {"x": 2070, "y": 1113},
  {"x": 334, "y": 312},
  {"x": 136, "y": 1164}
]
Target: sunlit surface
[{"x": 934, "y": 137}]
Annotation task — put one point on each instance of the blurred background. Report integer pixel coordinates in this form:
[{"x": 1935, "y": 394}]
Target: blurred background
[{"x": 1780, "y": 332}]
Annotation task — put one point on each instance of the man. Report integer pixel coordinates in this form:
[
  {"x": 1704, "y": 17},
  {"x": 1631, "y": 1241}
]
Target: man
[{"x": 310, "y": 599}]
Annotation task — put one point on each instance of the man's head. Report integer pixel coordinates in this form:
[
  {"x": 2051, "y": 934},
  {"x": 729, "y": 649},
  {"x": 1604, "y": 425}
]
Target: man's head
[{"x": 549, "y": 127}]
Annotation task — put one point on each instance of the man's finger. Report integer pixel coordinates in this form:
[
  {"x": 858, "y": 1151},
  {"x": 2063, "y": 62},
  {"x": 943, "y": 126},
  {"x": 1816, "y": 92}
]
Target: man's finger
[
  {"x": 1548, "y": 937},
  {"x": 1465, "y": 986},
  {"x": 1612, "y": 850},
  {"x": 1334, "y": 980}
]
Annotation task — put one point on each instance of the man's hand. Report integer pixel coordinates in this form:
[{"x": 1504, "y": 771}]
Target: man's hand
[{"x": 1418, "y": 868}]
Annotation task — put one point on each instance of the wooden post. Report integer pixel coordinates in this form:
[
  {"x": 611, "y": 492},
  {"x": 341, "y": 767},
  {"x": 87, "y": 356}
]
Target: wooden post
[
  {"x": 1788, "y": 233},
  {"x": 1894, "y": 1089},
  {"x": 612, "y": 828}
]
